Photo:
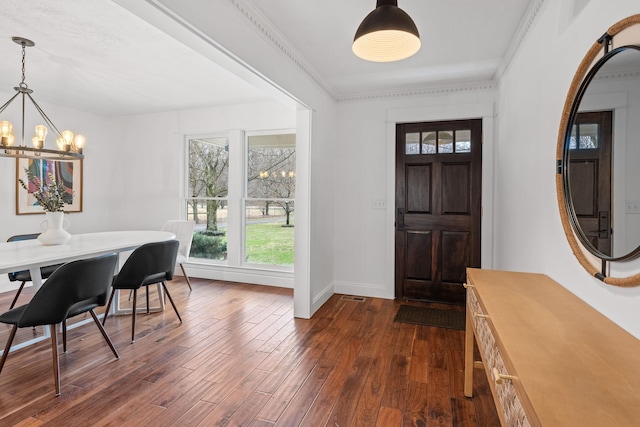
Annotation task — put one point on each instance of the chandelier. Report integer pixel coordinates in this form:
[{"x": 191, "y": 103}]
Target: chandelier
[{"x": 69, "y": 146}]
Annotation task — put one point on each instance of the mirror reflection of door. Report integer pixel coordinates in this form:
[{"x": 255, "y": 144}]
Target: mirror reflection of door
[
  {"x": 590, "y": 176},
  {"x": 438, "y": 208}
]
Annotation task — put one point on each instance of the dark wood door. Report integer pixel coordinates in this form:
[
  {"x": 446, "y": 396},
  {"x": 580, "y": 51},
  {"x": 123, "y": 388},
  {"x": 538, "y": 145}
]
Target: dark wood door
[
  {"x": 590, "y": 176},
  {"x": 438, "y": 208}
]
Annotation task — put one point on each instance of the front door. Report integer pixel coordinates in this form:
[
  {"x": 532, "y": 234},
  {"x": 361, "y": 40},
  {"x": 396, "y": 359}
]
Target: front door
[
  {"x": 590, "y": 176},
  {"x": 438, "y": 208}
]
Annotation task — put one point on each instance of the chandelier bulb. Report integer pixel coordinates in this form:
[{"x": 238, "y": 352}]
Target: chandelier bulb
[
  {"x": 7, "y": 140},
  {"x": 37, "y": 142},
  {"x": 5, "y": 128},
  {"x": 79, "y": 142}
]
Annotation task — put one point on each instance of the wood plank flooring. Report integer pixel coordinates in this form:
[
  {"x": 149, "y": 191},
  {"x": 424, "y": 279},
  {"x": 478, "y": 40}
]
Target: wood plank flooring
[{"x": 240, "y": 358}]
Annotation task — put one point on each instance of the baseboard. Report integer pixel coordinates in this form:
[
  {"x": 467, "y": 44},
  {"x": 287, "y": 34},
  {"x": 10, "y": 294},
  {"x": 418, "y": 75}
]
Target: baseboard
[
  {"x": 363, "y": 290},
  {"x": 257, "y": 276},
  {"x": 322, "y": 297}
]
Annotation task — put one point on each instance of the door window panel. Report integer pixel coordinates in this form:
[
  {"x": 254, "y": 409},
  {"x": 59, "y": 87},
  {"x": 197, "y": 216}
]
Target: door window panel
[
  {"x": 463, "y": 141},
  {"x": 429, "y": 142},
  {"x": 445, "y": 142},
  {"x": 584, "y": 136},
  {"x": 412, "y": 144},
  {"x": 440, "y": 142}
]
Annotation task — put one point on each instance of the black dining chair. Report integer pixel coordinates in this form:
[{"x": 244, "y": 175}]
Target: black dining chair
[
  {"x": 149, "y": 264},
  {"x": 24, "y": 276},
  {"x": 74, "y": 288}
]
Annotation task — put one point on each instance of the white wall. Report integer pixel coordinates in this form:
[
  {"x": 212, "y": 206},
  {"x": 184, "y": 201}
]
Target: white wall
[
  {"x": 148, "y": 184},
  {"x": 531, "y": 97},
  {"x": 365, "y": 172}
]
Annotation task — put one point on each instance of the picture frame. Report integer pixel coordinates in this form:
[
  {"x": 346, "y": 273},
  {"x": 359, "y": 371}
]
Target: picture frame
[{"x": 67, "y": 172}]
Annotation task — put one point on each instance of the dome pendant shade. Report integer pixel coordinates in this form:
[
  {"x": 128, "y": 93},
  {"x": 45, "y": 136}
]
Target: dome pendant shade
[{"x": 386, "y": 34}]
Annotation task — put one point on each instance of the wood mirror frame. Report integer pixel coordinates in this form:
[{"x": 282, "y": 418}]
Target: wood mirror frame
[{"x": 587, "y": 260}]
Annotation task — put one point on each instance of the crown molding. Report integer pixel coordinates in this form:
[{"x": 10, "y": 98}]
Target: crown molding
[
  {"x": 422, "y": 92},
  {"x": 271, "y": 34},
  {"x": 618, "y": 76},
  {"x": 521, "y": 33}
]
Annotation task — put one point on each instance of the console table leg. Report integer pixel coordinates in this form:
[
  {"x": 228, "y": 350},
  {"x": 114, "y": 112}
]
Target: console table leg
[{"x": 468, "y": 355}]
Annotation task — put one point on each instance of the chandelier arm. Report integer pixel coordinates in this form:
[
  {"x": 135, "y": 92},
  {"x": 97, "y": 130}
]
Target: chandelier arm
[
  {"x": 6, "y": 104},
  {"x": 23, "y": 143},
  {"x": 44, "y": 116},
  {"x": 39, "y": 153}
]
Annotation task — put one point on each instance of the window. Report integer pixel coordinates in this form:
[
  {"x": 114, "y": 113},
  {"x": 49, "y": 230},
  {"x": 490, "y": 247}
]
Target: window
[
  {"x": 441, "y": 142},
  {"x": 207, "y": 202},
  {"x": 270, "y": 199},
  {"x": 242, "y": 199},
  {"x": 584, "y": 136}
]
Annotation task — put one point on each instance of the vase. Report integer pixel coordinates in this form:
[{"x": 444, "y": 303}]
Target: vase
[{"x": 53, "y": 227}]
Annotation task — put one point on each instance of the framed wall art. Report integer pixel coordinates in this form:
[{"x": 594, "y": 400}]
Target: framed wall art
[{"x": 35, "y": 171}]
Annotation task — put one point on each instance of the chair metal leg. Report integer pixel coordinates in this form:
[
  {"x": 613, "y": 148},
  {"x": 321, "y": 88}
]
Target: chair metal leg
[
  {"x": 146, "y": 288},
  {"x": 184, "y": 273},
  {"x": 106, "y": 312},
  {"x": 164, "y": 285},
  {"x": 7, "y": 347},
  {"x": 64, "y": 336},
  {"x": 104, "y": 334},
  {"x": 162, "y": 296},
  {"x": 133, "y": 316},
  {"x": 56, "y": 363},
  {"x": 15, "y": 299}
]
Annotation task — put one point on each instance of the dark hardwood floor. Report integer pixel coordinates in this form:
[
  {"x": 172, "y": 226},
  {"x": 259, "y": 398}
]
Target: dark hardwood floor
[{"x": 241, "y": 359}]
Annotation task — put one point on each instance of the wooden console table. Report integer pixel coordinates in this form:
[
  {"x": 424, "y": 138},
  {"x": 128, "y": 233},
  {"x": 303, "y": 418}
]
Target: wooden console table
[{"x": 551, "y": 359}]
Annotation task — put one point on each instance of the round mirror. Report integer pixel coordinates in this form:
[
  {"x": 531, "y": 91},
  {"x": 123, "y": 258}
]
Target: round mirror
[
  {"x": 598, "y": 155},
  {"x": 604, "y": 211}
]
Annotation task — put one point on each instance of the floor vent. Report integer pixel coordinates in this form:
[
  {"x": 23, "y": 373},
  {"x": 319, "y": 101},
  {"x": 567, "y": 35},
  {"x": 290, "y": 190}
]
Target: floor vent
[{"x": 353, "y": 298}]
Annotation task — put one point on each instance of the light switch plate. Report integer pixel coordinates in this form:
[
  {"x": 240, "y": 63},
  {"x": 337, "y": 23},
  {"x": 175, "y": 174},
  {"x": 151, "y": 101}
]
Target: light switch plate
[{"x": 378, "y": 204}]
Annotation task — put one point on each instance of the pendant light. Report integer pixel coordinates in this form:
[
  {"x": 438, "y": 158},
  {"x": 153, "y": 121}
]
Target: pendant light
[{"x": 386, "y": 34}]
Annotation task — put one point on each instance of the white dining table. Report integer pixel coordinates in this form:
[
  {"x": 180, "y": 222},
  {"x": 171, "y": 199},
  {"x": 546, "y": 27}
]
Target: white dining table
[{"x": 32, "y": 255}]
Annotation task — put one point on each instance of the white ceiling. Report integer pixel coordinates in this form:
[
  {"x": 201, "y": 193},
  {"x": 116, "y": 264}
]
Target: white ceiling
[
  {"x": 95, "y": 56},
  {"x": 462, "y": 41}
]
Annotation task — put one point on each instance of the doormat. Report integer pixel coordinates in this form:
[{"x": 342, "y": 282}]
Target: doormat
[{"x": 448, "y": 319}]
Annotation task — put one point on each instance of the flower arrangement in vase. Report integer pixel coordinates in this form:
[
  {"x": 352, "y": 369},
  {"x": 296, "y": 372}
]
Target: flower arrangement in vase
[{"x": 51, "y": 196}]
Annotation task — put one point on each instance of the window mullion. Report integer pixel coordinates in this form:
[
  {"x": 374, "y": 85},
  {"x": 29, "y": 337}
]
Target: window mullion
[{"x": 236, "y": 191}]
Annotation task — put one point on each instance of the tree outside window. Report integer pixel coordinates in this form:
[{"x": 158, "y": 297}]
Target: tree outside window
[{"x": 208, "y": 188}]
